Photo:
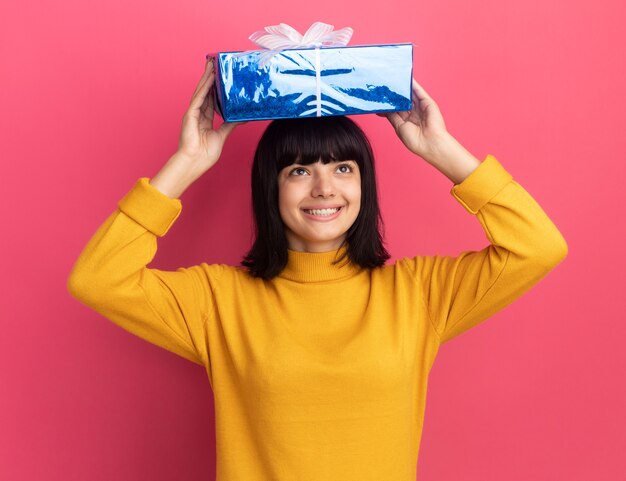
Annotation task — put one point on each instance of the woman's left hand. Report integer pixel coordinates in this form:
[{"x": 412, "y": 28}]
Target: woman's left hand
[{"x": 422, "y": 128}]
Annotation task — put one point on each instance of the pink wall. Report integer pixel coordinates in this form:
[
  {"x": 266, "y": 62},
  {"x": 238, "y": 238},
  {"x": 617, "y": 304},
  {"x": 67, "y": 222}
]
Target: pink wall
[{"x": 92, "y": 96}]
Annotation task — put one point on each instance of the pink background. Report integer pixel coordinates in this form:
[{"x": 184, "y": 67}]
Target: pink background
[{"x": 92, "y": 98}]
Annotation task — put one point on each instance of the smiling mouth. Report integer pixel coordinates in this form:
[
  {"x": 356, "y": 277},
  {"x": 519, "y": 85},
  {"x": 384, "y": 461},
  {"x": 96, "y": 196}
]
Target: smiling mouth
[{"x": 322, "y": 212}]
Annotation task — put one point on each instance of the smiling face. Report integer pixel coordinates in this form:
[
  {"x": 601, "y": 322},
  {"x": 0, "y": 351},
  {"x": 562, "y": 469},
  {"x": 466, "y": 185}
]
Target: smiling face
[{"x": 318, "y": 203}]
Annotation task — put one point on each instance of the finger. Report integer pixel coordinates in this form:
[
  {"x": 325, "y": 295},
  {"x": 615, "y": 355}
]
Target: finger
[
  {"x": 202, "y": 108},
  {"x": 417, "y": 103},
  {"x": 208, "y": 68},
  {"x": 419, "y": 91},
  {"x": 227, "y": 127},
  {"x": 395, "y": 120},
  {"x": 208, "y": 105},
  {"x": 200, "y": 96},
  {"x": 422, "y": 101},
  {"x": 205, "y": 81}
]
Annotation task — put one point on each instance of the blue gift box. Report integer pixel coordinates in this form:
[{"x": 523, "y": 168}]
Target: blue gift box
[{"x": 313, "y": 82}]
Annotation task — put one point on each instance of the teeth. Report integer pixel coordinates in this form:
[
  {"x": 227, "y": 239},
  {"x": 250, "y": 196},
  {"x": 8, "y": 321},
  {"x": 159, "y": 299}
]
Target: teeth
[{"x": 322, "y": 211}]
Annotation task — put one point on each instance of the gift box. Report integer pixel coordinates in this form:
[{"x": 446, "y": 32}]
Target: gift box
[{"x": 319, "y": 79}]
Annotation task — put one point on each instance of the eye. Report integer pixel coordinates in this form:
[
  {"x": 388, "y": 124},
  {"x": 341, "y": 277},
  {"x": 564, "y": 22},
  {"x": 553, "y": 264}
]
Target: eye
[
  {"x": 345, "y": 166},
  {"x": 297, "y": 169}
]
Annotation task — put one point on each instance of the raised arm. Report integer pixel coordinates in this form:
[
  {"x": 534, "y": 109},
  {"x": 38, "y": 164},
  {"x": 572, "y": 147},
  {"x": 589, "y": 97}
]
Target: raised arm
[
  {"x": 459, "y": 292},
  {"x": 525, "y": 245},
  {"x": 166, "y": 308},
  {"x": 110, "y": 276}
]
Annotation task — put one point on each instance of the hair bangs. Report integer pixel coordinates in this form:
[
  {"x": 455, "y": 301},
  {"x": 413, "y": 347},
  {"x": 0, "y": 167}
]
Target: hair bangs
[{"x": 305, "y": 141}]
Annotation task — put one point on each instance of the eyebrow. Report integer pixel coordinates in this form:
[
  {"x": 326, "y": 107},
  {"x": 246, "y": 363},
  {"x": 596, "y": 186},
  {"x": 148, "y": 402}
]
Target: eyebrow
[{"x": 331, "y": 162}]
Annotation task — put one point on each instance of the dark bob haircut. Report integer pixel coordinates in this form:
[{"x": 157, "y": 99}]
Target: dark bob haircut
[{"x": 305, "y": 141}]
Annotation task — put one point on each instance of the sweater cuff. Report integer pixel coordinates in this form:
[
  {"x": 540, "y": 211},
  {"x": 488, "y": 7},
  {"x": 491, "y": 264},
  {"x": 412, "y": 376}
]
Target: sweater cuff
[
  {"x": 481, "y": 185},
  {"x": 150, "y": 207}
]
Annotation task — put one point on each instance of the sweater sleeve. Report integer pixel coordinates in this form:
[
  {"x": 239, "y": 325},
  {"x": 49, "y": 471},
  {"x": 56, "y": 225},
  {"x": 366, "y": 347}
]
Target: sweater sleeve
[
  {"x": 167, "y": 308},
  {"x": 525, "y": 245}
]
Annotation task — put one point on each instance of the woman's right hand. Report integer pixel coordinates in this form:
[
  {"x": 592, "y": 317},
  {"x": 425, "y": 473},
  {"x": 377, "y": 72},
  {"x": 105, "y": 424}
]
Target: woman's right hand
[{"x": 199, "y": 142}]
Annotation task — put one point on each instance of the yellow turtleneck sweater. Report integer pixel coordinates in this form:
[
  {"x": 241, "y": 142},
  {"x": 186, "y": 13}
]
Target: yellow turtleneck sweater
[{"x": 320, "y": 373}]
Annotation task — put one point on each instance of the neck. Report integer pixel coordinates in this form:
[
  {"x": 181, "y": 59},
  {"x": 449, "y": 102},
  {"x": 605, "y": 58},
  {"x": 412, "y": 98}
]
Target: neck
[
  {"x": 297, "y": 243},
  {"x": 319, "y": 266}
]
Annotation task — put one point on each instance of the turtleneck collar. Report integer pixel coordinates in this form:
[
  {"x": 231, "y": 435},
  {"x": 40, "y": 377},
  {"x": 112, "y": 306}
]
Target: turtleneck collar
[{"x": 318, "y": 266}]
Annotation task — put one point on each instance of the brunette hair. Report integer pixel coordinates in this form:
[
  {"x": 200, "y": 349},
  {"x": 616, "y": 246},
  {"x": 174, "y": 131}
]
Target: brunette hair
[{"x": 308, "y": 140}]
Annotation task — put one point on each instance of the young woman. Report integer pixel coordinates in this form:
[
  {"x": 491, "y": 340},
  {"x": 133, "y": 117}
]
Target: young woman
[{"x": 317, "y": 352}]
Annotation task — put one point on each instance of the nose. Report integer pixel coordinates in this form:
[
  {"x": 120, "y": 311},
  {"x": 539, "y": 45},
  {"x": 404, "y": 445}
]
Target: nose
[{"x": 323, "y": 185}]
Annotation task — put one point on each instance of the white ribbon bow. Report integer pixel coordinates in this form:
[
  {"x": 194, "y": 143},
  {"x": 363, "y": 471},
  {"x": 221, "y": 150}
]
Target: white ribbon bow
[{"x": 280, "y": 37}]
